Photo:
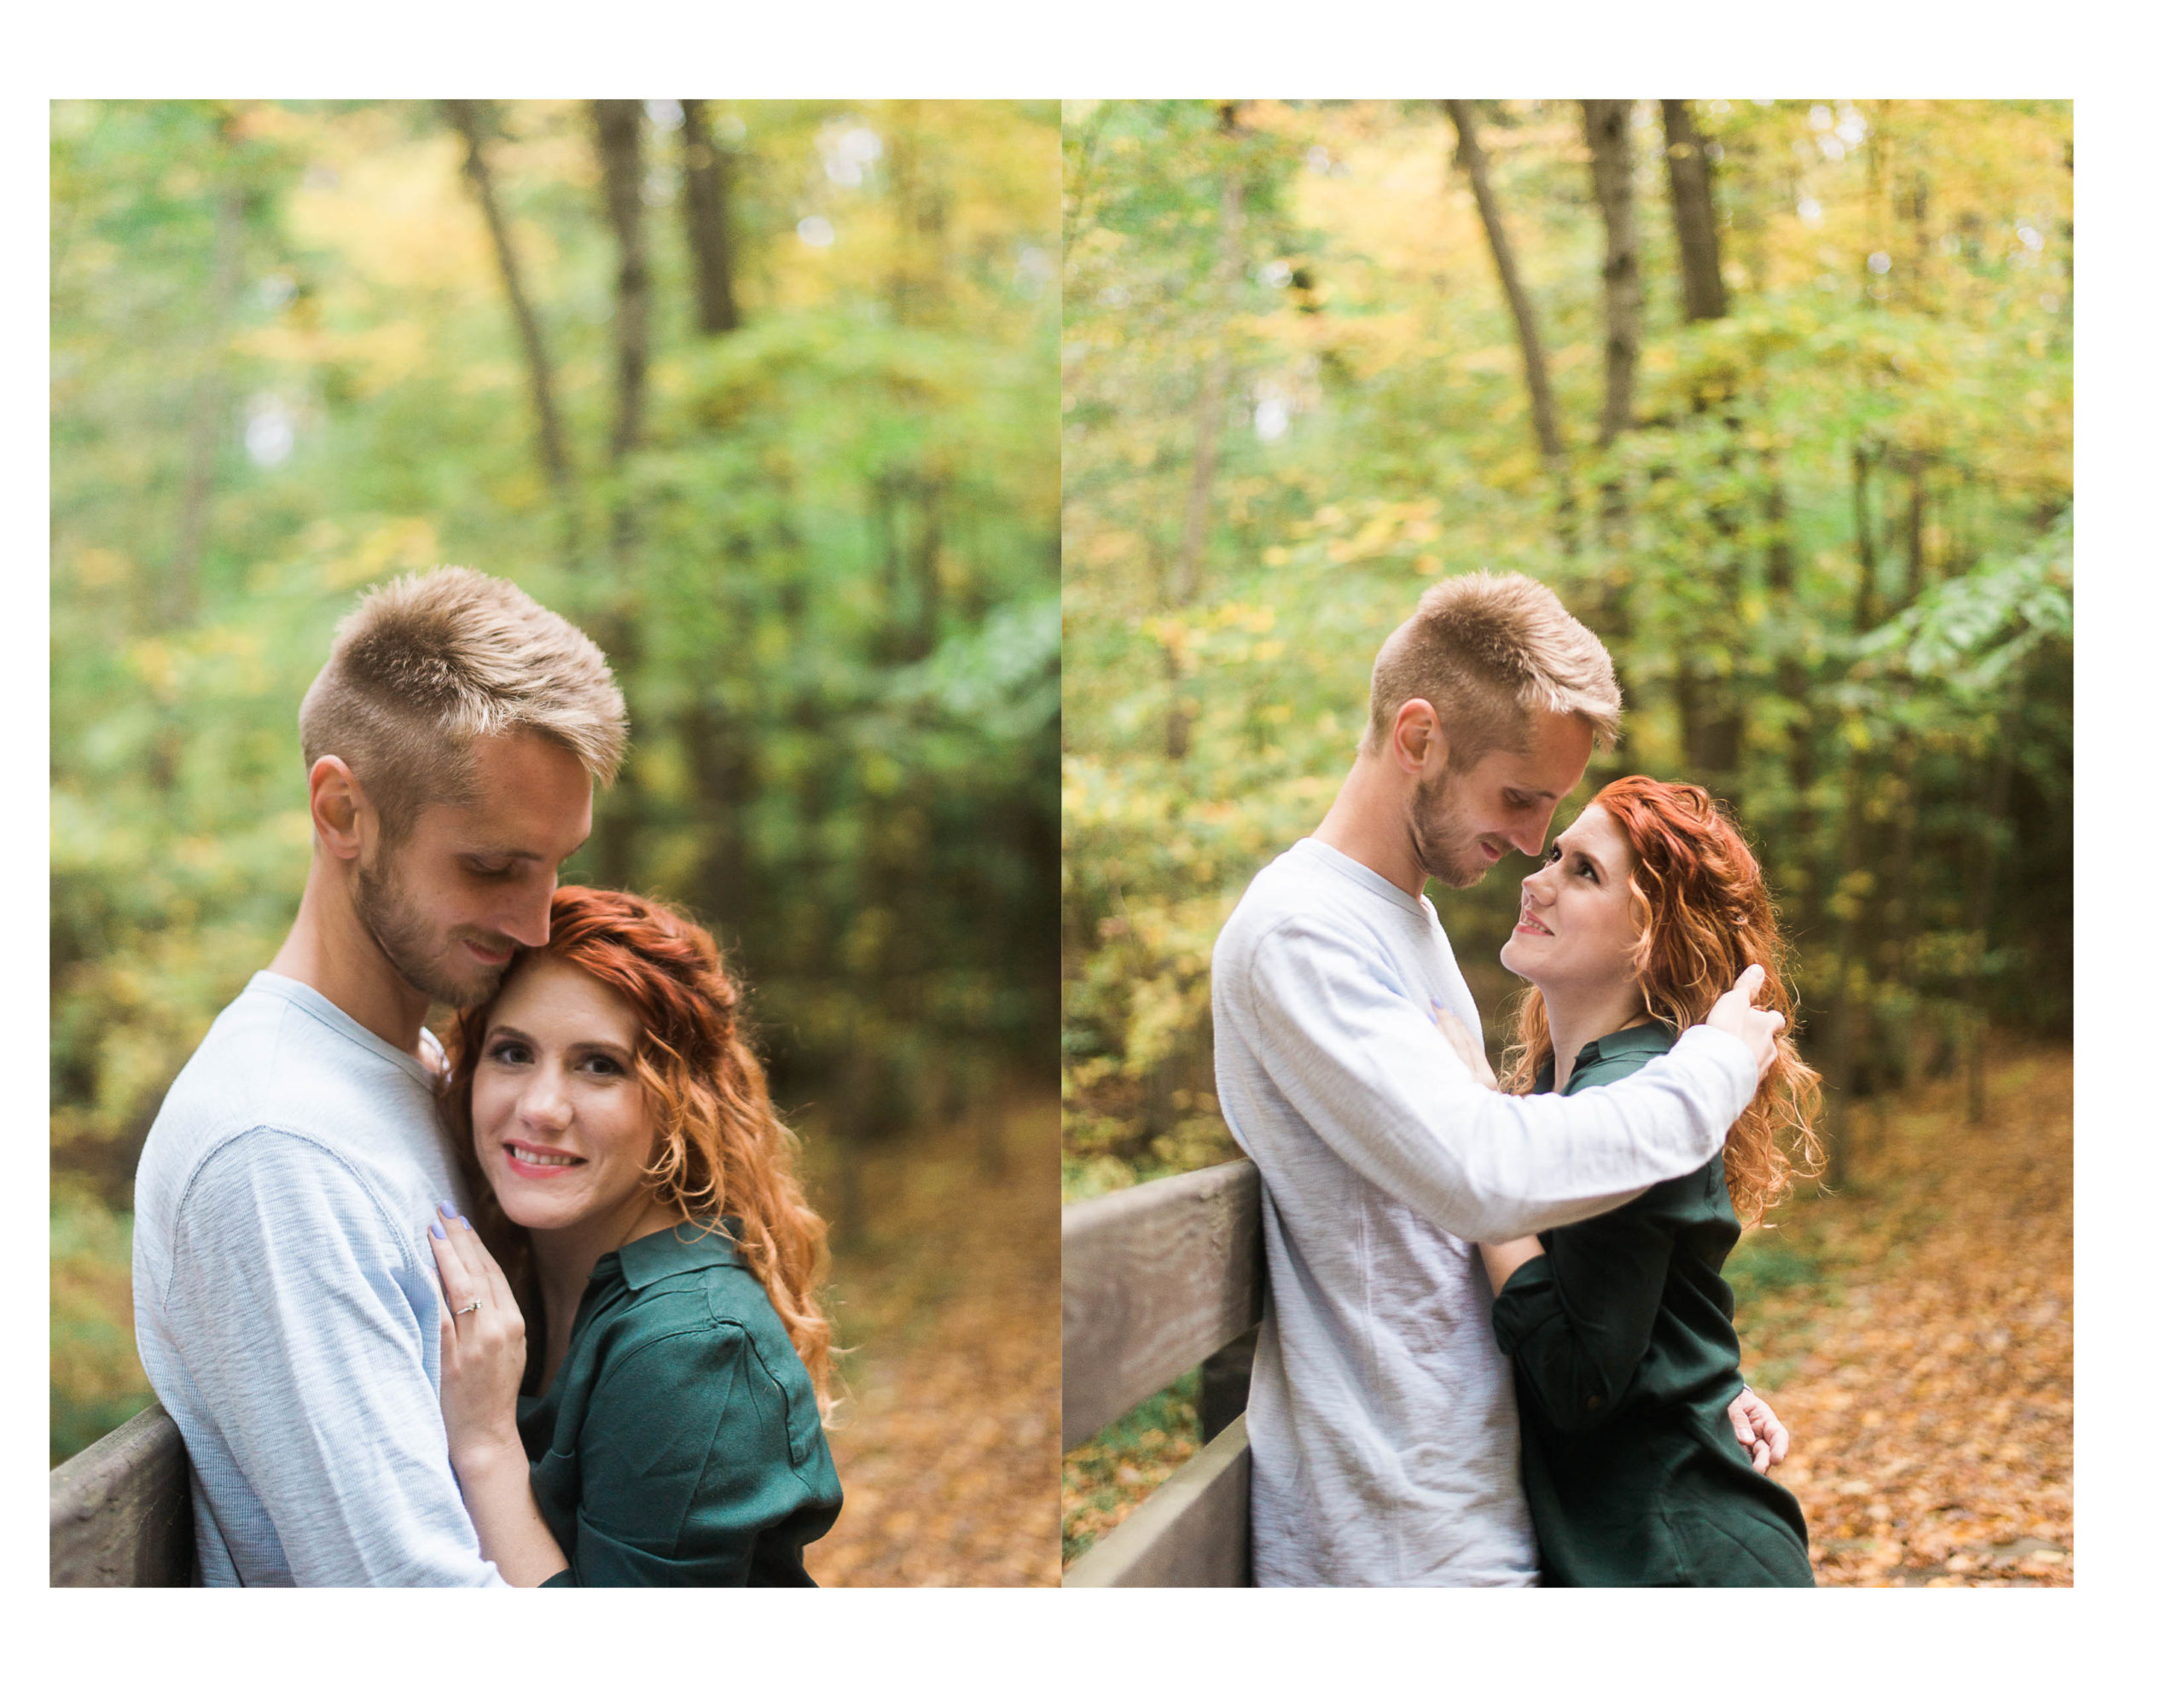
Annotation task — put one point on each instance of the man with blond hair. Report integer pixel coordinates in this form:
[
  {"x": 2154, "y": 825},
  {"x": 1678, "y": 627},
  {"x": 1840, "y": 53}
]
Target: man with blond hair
[
  {"x": 288, "y": 1305},
  {"x": 1383, "y": 1417}
]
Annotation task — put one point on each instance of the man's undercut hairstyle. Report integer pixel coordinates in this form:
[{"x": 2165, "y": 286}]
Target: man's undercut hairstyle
[
  {"x": 426, "y": 665},
  {"x": 1491, "y": 651}
]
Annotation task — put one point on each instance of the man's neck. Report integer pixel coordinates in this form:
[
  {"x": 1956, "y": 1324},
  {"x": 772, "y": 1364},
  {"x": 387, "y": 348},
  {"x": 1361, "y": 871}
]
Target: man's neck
[
  {"x": 328, "y": 949},
  {"x": 1366, "y": 824},
  {"x": 1574, "y": 1020}
]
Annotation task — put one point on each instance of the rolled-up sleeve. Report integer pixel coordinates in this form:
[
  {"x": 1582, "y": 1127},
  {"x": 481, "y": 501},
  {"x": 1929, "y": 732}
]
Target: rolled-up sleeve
[
  {"x": 694, "y": 1451},
  {"x": 1575, "y": 1322},
  {"x": 305, "y": 1322},
  {"x": 1374, "y": 1078}
]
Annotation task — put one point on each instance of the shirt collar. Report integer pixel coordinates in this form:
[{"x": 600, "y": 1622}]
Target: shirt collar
[
  {"x": 667, "y": 1253},
  {"x": 1655, "y": 1036},
  {"x": 1312, "y": 849}
]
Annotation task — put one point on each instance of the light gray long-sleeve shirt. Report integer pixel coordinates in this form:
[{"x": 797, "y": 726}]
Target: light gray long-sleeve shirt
[
  {"x": 288, "y": 1307},
  {"x": 1383, "y": 1417}
]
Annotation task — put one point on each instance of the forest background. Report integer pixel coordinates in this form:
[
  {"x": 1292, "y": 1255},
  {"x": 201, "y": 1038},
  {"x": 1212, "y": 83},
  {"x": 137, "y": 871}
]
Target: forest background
[
  {"x": 763, "y": 396},
  {"x": 1775, "y": 394}
]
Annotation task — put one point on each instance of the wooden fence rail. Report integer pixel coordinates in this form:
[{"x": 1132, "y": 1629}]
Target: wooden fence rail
[
  {"x": 120, "y": 1514},
  {"x": 1156, "y": 1280}
]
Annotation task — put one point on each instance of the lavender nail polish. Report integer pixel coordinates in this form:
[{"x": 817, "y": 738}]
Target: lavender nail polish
[
  {"x": 437, "y": 1231},
  {"x": 447, "y": 1210},
  {"x": 465, "y": 1224}
]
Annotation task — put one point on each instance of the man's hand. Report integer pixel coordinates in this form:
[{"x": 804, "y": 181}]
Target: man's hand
[
  {"x": 1466, "y": 1045},
  {"x": 1753, "y": 1027},
  {"x": 1759, "y": 1429}
]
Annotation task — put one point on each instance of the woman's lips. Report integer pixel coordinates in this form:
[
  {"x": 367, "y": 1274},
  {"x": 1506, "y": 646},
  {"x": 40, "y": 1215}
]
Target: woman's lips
[
  {"x": 524, "y": 1168},
  {"x": 1526, "y": 923}
]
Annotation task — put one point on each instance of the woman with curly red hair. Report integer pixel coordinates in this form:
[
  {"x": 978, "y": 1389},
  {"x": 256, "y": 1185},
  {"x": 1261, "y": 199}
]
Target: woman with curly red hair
[
  {"x": 634, "y": 1366},
  {"x": 1619, "y": 1328}
]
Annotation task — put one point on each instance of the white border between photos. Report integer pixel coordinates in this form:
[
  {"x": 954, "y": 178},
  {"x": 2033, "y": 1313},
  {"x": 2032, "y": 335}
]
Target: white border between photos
[{"x": 2129, "y": 602}]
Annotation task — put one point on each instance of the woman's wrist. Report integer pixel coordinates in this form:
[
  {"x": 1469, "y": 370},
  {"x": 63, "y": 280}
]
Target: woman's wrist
[{"x": 484, "y": 1458}]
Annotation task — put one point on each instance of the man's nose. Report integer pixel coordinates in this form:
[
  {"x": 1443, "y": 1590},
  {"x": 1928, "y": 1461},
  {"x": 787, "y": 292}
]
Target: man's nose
[
  {"x": 529, "y": 921},
  {"x": 1532, "y": 841}
]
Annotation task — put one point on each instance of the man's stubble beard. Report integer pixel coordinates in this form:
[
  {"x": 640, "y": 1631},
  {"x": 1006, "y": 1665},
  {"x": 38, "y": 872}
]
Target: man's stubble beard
[
  {"x": 1440, "y": 843},
  {"x": 407, "y": 939}
]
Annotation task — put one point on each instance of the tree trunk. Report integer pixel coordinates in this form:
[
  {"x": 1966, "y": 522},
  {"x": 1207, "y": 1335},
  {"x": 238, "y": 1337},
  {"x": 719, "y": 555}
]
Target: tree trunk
[
  {"x": 209, "y": 397},
  {"x": 619, "y": 125},
  {"x": 1208, "y": 410},
  {"x": 1211, "y": 403},
  {"x": 707, "y": 177},
  {"x": 1862, "y": 612},
  {"x": 1876, "y": 203},
  {"x": 716, "y": 749},
  {"x": 470, "y": 122},
  {"x": 1857, "y": 892},
  {"x": 1980, "y": 915},
  {"x": 1713, "y": 721},
  {"x": 1902, "y": 919},
  {"x": 1791, "y": 681},
  {"x": 923, "y": 631},
  {"x": 1607, "y": 138},
  {"x": 915, "y": 285},
  {"x": 1546, "y": 428},
  {"x": 1691, "y": 195}
]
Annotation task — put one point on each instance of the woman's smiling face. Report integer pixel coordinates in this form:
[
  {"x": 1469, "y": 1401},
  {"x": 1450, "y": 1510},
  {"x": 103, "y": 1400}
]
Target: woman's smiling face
[
  {"x": 557, "y": 1113},
  {"x": 1578, "y": 921}
]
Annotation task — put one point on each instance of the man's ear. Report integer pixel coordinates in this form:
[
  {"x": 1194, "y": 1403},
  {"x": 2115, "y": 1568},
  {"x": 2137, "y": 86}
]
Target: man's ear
[
  {"x": 1412, "y": 735},
  {"x": 339, "y": 810}
]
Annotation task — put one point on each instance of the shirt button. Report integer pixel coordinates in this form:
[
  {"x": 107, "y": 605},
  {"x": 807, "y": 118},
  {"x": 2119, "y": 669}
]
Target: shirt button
[{"x": 1593, "y": 1403}]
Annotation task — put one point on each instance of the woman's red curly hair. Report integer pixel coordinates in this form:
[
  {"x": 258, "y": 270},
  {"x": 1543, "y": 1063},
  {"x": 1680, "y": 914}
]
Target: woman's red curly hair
[
  {"x": 1704, "y": 916},
  {"x": 723, "y": 1152}
]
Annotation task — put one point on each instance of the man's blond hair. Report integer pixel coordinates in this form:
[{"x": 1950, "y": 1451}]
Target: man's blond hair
[
  {"x": 1489, "y": 652},
  {"x": 426, "y": 665}
]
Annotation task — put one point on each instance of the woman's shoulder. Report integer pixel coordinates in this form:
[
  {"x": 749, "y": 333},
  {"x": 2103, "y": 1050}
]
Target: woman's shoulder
[{"x": 684, "y": 1280}]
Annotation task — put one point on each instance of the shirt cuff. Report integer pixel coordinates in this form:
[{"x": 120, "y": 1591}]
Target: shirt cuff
[{"x": 1526, "y": 1302}]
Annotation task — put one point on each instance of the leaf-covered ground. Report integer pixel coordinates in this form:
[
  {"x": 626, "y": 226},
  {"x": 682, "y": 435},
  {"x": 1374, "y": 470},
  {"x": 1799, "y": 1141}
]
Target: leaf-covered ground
[
  {"x": 1914, "y": 1329},
  {"x": 948, "y": 1443},
  {"x": 1924, "y": 1365}
]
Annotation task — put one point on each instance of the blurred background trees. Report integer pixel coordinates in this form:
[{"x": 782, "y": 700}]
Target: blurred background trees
[
  {"x": 1777, "y": 395},
  {"x": 762, "y": 395}
]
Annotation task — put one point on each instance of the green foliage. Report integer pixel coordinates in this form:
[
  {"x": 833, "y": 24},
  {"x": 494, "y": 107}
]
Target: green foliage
[
  {"x": 1122, "y": 1463},
  {"x": 285, "y": 368},
  {"x": 1883, "y": 698}
]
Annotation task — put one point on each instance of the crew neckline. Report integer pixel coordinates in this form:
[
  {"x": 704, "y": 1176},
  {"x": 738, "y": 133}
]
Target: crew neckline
[
  {"x": 297, "y": 994},
  {"x": 1352, "y": 868}
]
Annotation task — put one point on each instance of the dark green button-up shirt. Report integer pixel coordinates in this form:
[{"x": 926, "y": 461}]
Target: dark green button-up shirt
[
  {"x": 1626, "y": 1361},
  {"x": 679, "y": 1443}
]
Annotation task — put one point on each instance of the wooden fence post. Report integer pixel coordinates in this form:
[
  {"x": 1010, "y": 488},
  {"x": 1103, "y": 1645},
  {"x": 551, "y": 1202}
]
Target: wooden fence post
[{"x": 121, "y": 1510}]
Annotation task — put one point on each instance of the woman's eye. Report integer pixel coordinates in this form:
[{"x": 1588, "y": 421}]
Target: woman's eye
[
  {"x": 507, "y": 1054},
  {"x": 603, "y": 1066},
  {"x": 1586, "y": 867}
]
